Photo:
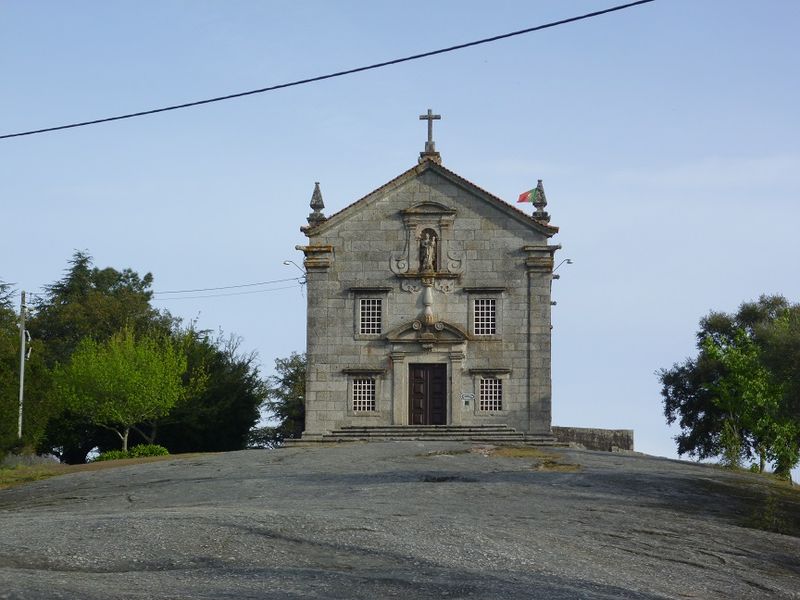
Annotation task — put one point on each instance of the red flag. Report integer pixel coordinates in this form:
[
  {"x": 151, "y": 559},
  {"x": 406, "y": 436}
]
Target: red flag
[{"x": 529, "y": 196}]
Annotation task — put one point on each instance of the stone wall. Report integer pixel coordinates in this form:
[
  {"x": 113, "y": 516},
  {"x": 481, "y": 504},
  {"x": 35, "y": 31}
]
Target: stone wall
[{"x": 608, "y": 440}]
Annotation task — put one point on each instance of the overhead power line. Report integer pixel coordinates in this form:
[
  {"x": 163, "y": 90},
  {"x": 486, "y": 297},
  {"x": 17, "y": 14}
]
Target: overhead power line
[
  {"x": 379, "y": 65},
  {"x": 285, "y": 287},
  {"x": 158, "y": 295},
  {"x": 228, "y": 287}
]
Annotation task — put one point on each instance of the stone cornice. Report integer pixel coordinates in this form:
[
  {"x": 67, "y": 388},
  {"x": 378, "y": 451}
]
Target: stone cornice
[
  {"x": 318, "y": 257},
  {"x": 485, "y": 289},
  {"x": 364, "y": 371},
  {"x": 490, "y": 371},
  {"x": 375, "y": 289}
]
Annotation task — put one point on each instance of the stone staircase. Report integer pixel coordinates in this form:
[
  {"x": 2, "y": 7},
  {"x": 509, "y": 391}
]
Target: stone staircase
[{"x": 442, "y": 433}]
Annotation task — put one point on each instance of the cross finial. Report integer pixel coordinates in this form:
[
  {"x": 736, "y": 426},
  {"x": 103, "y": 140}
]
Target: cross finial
[{"x": 430, "y": 145}]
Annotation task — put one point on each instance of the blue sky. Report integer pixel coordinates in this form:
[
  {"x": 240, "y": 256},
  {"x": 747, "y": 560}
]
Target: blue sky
[{"x": 666, "y": 136}]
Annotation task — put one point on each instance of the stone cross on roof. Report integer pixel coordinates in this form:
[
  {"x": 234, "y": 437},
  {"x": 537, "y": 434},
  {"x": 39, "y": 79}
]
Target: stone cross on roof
[{"x": 430, "y": 145}]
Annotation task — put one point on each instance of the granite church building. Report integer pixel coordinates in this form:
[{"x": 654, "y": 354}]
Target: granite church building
[{"x": 428, "y": 305}]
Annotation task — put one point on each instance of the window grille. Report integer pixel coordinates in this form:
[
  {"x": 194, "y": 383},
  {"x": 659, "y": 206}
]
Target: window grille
[
  {"x": 363, "y": 395},
  {"x": 485, "y": 316},
  {"x": 491, "y": 394},
  {"x": 370, "y": 316}
]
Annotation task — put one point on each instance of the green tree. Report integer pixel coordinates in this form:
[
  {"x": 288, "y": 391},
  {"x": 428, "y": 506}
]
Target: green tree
[
  {"x": 123, "y": 381},
  {"x": 9, "y": 370},
  {"x": 94, "y": 303},
  {"x": 286, "y": 401},
  {"x": 87, "y": 302},
  {"x": 738, "y": 398},
  {"x": 750, "y": 397},
  {"x": 223, "y": 390},
  {"x": 219, "y": 415}
]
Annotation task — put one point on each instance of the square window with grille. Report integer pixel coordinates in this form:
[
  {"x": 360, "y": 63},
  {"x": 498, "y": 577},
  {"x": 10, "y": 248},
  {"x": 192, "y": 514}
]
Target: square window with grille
[
  {"x": 491, "y": 394},
  {"x": 370, "y": 316},
  {"x": 363, "y": 395},
  {"x": 485, "y": 316}
]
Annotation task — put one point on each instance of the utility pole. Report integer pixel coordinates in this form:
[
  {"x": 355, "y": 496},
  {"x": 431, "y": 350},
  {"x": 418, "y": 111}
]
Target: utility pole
[{"x": 21, "y": 360}]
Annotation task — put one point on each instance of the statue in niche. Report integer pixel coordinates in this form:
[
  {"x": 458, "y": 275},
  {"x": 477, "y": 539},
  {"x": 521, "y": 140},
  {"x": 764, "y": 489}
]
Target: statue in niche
[{"x": 427, "y": 251}]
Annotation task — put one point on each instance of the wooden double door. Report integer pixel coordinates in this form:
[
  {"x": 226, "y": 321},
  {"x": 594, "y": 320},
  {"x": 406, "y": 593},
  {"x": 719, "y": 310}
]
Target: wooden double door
[{"x": 427, "y": 394}]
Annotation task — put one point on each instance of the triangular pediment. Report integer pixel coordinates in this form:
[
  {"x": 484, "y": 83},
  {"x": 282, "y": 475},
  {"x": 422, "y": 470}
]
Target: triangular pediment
[
  {"x": 431, "y": 208},
  {"x": 440, "y": 332}
]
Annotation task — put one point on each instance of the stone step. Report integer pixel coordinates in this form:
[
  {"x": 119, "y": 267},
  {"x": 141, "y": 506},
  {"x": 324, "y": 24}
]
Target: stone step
[
  {"x": 486, "y": 426},
  {"x": 431, "y": 434},
  {"x": 422, "y": 438},
  {"x": 488, "y": 440},
  {"x": 420, "y": 430},
  {"x": 433, "y": 431},
  {"x": 430, "y": 428},
  {"x": 537, "y": 441},
  {"x": 489, "y": 433}
]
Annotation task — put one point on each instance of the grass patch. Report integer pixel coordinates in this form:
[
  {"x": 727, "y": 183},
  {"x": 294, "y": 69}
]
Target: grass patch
[
  {"x": 443, "y": 453},
  {"x": 519, "y": 452},
  {"x": 20, "y": 475},
  {"x": 544, "y": 461},
  {"x": 13, "y": 476},
  {"x": 557, "y": 467}
]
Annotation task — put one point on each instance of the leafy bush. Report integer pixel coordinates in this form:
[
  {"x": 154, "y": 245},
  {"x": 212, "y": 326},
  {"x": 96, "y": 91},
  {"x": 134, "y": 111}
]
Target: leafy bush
[
  {"x": 112, "y": 455},
  {"x": 147, "y": 450}
]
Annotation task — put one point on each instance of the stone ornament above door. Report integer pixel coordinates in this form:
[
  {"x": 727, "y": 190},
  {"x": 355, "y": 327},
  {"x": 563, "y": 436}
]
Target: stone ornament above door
[{"x": 427, "y": 259}]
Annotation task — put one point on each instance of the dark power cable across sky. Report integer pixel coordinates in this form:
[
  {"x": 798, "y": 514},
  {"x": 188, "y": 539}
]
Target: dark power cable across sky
[{"x": 331, "y": 75}]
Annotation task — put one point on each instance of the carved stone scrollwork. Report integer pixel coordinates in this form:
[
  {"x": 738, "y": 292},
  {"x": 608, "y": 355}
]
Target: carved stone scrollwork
[
  {"x": 444, "y": 285},
  {"x": 399, "y": 263},
  {"x": 455, "y": 262},
  {"x": 411, "y": 285},
  {"x": 437, "y": 334}
]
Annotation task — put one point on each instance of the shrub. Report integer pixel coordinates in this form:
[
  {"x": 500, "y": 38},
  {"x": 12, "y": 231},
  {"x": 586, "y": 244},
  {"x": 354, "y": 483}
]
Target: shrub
[
  {"x": 147, "y": 450},
  {"x": 112, "y": 455}
]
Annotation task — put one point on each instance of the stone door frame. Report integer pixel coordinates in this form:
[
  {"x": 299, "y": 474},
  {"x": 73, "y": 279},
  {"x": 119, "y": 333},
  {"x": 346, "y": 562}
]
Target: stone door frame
[{"x": 401, "y": 361}]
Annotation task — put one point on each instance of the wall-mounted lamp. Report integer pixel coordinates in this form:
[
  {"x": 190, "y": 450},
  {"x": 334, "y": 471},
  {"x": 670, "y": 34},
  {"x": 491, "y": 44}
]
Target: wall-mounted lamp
[{"x": 566, "y": 260}]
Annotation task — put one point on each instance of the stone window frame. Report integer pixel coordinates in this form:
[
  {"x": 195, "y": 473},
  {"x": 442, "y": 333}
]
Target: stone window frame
[
  {"x": 370, "y": 315},
  {"x": 503, "y": 376},
  {"x": 486, "y": 293},
  {"x": 490, "y": 394},
  {"x": 370, "y": 293},
  {"x": 364, "y": 397},
  {"x": 484, "y": 316},
  {"x": 359, "y": 374}
]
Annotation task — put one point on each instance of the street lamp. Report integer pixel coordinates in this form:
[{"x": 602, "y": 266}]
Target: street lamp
[
  {"x": 566, "y": 260},
  {"x": 299, "y": 268}
]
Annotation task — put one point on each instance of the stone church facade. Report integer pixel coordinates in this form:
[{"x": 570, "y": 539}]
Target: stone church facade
[{"x": 428, "y": 304}]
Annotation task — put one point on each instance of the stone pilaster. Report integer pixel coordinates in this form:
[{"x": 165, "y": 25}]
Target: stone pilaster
[
  {"x": 539, "y": 267},
  {"x": 399, "y": 394},
  {"x": 318, "y": 260},
  {"x": 457, "y": 387}
]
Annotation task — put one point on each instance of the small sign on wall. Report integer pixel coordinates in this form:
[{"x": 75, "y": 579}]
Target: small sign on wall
[{"x": 467, "y": 397}]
